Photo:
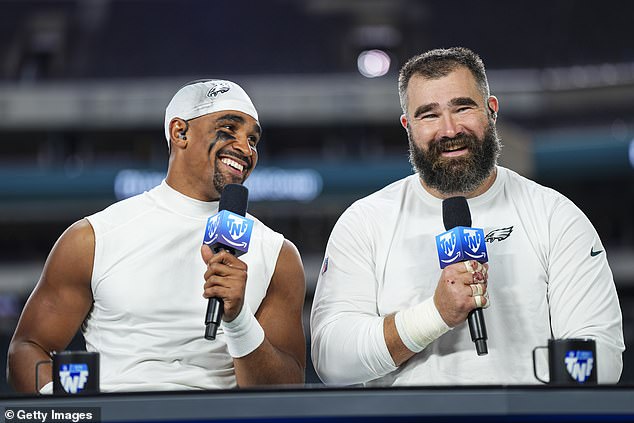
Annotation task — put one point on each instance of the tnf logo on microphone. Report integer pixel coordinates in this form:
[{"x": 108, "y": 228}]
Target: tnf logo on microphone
[
  {"x": 73, "y": 377},
  {"x": 579, "y": 364},
  {"x": 227, "y": 229},
  {"x": 460, "y": 244}
]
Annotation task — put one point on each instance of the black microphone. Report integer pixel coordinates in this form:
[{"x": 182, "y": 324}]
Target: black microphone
[
  {"x": 227, "y": 230},
  {"x": 455, "y": 212}
]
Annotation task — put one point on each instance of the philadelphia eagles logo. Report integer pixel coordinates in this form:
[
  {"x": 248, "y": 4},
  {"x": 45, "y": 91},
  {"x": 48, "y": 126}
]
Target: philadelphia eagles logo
[
  {"x": 218, "y": 88},
  {"x": 498, "y": 234}
]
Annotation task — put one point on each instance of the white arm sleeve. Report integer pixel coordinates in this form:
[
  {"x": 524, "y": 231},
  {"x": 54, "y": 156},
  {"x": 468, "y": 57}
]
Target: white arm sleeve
[
  {"x": 581, "y": 292},
  {"x": 348, "y": 346}
]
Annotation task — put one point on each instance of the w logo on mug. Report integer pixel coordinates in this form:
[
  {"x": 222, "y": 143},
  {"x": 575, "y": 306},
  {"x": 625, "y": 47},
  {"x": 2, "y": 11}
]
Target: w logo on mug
[
  {"x": 73, "y": 377},
  {"x": 74, "y": 372},
  {"x": 579, "y": 364},
  {"x": 571, "y": 361}
]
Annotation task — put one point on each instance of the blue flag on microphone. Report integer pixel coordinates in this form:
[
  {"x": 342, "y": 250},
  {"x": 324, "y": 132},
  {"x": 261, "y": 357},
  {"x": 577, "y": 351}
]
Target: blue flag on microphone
[
  {"x": 460, "y": 244},
  {"x": 227, "y": 230}
]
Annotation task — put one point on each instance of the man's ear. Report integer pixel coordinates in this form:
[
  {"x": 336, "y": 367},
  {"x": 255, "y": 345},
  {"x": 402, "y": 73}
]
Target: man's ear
[
  {"x": 494, "y": 106},
  {"x": 178, "y": 132},
  {"x": 404, "y": 121}
]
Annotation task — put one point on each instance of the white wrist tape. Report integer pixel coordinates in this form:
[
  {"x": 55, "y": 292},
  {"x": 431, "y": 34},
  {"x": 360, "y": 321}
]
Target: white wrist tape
[
  {"x": 243, "y": 334},
  {"x": 420, "y": 325},
  {"x": 47, "y": 389}
]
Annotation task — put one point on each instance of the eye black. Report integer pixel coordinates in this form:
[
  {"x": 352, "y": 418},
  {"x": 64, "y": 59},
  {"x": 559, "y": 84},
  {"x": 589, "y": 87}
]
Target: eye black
[{"x": 223, "y": 135}]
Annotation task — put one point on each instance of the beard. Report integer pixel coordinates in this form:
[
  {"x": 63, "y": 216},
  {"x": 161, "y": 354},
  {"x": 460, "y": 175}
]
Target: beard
[
  {"x": 220, "y": 180},
  {"x": 460, "y": 174}
]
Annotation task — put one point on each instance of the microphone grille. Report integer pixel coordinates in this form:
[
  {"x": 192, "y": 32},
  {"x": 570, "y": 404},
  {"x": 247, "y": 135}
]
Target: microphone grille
[
  {"x": 234, "y": 198},
  {"x": 455, "y": 212}
]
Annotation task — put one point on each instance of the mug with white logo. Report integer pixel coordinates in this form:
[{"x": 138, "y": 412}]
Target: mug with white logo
[
  {"x": 570, "y": 361},
  {"x": 75, "y": 372}
]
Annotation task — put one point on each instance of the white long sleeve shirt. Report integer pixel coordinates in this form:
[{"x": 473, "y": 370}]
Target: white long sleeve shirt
[{"x": 548, "y": 278}]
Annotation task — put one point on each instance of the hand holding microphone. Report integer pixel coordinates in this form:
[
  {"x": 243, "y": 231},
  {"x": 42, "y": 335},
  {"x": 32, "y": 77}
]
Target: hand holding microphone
[
  {"x": 461, "y": 288},
  {"x": 228, "y": 234},
  {"x": 225, "y": 284},
  {"x": 461, "y": 252}
]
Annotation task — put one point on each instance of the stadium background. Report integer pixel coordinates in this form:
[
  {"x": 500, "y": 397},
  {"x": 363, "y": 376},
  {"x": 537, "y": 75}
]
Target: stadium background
[{"x": 84, "y": 83}]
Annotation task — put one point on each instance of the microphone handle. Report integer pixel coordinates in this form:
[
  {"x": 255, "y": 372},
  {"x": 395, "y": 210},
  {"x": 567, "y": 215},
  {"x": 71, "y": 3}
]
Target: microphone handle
[
  {"x": 215, "y": 307},
  {"x": 478, "y": 330},
  {"x": 213, "y": 317}
]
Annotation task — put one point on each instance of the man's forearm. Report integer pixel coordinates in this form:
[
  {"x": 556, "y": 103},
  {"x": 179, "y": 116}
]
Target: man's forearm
[
  {"x": 268, "y": 365},
  {"x": 22, "y": 360},
  {"x": 351, "y": 350}
]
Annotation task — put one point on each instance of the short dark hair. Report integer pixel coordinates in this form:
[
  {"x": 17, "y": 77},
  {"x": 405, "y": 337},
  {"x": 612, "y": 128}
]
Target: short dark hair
[{"x": 438, "y": 63}]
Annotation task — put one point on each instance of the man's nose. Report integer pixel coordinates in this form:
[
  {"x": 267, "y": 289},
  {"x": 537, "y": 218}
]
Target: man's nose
[
  {"x": 242, "y": 144},
  {"x": 449, "y": 128}
]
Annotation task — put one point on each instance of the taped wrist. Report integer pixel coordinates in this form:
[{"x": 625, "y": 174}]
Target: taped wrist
[
  {"x": 243, "y": 334},
  {"x": 47, "y": 389},
  {"x": 420, "y": 325}
]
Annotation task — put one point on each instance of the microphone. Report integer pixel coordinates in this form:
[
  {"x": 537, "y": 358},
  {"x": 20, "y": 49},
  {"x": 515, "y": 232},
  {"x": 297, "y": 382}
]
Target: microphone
[
  {"x": 227, "y": 230},
  {"x": 461, "y": 243}
]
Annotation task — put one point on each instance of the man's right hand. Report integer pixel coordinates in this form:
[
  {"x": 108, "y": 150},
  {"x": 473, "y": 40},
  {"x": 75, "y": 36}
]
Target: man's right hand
[
  {"x": 457, "y": 288},
  {"x": 225, "y": 278}
]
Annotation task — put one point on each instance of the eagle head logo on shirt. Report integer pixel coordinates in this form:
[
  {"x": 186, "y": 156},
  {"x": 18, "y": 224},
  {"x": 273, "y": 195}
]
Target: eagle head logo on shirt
[{"x": 499, "y": 234}]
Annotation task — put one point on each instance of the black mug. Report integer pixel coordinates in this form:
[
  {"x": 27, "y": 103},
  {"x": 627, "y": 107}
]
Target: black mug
[
  {"x": 570, "y": 361},
  {"x": 74, "y": 372}
]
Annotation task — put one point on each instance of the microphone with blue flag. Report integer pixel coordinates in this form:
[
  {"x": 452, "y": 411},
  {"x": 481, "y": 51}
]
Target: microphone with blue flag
[
  {"x": 228, "y": 230},
  {"x": 462, "y": 243}
]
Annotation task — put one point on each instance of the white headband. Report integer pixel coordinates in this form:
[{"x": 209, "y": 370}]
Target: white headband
[{"x": 208, "y": 96}]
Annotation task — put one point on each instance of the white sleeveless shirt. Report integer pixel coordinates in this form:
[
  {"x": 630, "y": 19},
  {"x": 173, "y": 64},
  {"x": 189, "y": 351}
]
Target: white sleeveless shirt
[{"x": 147, "y": 320}]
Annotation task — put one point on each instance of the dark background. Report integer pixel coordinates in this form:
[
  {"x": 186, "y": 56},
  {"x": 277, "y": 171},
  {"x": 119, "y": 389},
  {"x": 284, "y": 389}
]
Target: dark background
[{"x": 84, "y": 84}]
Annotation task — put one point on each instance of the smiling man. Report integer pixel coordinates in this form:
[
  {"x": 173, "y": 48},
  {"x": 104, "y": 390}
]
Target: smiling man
[
  {"x": 135, "y": 278},
  {"x": 384, "y": 313}
]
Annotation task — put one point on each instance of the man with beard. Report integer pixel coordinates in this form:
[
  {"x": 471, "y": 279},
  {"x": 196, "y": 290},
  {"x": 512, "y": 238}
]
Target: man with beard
[
  {"x": 135, "y": 278},
  {"x": 383, "y": 311}
]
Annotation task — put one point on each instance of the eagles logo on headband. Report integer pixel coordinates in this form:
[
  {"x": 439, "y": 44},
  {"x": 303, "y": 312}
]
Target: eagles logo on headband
[
  {"x": 202, "y": 97},
  {"x": 218, "y": 88}
]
